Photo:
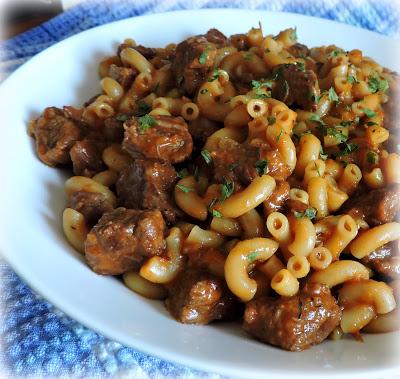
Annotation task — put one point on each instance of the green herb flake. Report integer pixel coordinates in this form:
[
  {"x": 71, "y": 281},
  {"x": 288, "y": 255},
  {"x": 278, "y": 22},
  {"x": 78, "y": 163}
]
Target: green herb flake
[
  {"x": 248, "y": 56},
  {"x": 334, "y": 53},
  {"x": 204, "y": 55},
  {"x": 146, "y": 122},
  {"x": 345, "y": 123},
  {"x": 203, "y": 91},
  {"x": 349, "y": 148},
  {"x": 226, "y": 189},
  {"x": 372, "y": 157},
  {"x": 252, "y": 256},
  {"x": 375, "y": 84},
  {"x": 352, "y": 79},
  {"x": 183, "y": 173},
  {"x": 301, "y": 66},
  {"x": 371, "y": 123},
  {"x": 271, "y": 120},
  {"x": 122, "y": 117},
  {"x": 206, "y": 156},
  {"x": 332, "y": 95},
  {"x": 215, "y": 75},
  {"x": 261, "y": 95},
  {"x": 317, "y": 118},
  {"x": 261, "y": 167},
  {"x": 279, "y": 136},
  {"x": 184, "y": 189},
  {"x": 317, "y": 169},
  {"x": 309, "y": 212},
  {"x": 369, "y": 113},
  {"x": 216, "y": 213},
  {"x": 337, "y": 134},
  {"x": 257, "y": 86}
]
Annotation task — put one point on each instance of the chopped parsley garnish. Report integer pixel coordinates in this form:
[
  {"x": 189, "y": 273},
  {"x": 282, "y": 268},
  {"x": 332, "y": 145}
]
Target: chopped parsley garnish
[
  {"x": 317, "y": 169},
  {"x": 206, "y": 156},
  {"x": 322, "y": 154},
  {"x": 301, "y": 66},
  {"x": 215, "y": 75},
  {"x": 293, "y": 35},
  {"x": 261, "y": 167},
  {"x": 345, "y": 123},
  {"x": 372, "y": 157},
  {"x": 252, "y": 256},
  {"x": 332, "y": 95},
  {"x": 248, "y": 56},
  {"x": 375, "y": 84},
  {"x": 257, "y": 86},
  {"x": 279, "y": 136},
  {"x": 317, "y": 118},
  {"x": 183, "y": 173},
  {"x": 143, "y": 107},
  {"x": 309, "y": 212},
  {"x": 371, "y": 123},
  {"x": 184, "y": 189},
  {"x": 122, "y": 117},
  {"x": 226, "y": 190},
  {"x": 261, "y": 95},
  {"x": 337, "y": 134},
  {"x": 352, "y": 79},
  {"x": 146, "y": 122},
  {"x": 369, "y": 113},
  {"x": 204, "y": 55},
  {"x": 349, "y": 148},
  {"x": 203, "y": 91},
  {"x": 216, "y": 213},
  {"x": 334, "y": 53},
  {"x": 271, "y": 120}
]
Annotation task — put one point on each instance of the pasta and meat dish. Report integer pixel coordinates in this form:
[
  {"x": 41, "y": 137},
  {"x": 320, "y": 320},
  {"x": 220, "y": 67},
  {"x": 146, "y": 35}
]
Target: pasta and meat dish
[{"x": 248, "y": 178}]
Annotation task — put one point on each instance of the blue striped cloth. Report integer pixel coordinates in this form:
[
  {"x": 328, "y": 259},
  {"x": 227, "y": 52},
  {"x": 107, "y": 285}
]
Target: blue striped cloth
[{"x": 39, "y": 340}]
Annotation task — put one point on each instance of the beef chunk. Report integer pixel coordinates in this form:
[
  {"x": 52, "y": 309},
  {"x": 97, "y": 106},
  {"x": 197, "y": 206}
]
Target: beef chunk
[
  {"x": 296, "y": 86},
  {"x": 86, "y": 157},
  {"x": 148, "y": 184},
  {"x": 296, "y": 206},
  {"x": 169, "y": 139},
  {"x": 278, "y": 197},
  {"x": 240, "y": 41},
  {"x": 113, "y": 130},
  {"x": 237, "y": 162},
  {"x": 385, "y": 261},
  {"x": 123, "y": 75},
  {"x": 123, "y": 239},
  {"x": 91, "y": 204},
  {"x": 202, "y": 128},
  {"x": 193, "y": 60},
  {"x": 55, "y": 134},
  {"x": 377, "y": 207},
  {"x": 198, "y": 297},
  {"x": 299, "y": 50},
  {"x": 293, "y": 323},
  {"x": 216, "y": 37},
  {"x": 147, "y": 52}
]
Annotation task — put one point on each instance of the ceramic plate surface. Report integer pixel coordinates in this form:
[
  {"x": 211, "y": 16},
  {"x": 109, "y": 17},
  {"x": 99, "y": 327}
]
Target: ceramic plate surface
[{"x": 32, "y": 201}]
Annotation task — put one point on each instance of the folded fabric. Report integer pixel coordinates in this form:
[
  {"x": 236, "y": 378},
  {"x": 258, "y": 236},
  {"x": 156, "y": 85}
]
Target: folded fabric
[{"x": 39, "y": 340}]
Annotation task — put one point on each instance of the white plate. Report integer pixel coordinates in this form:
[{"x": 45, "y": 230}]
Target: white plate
[{"x": 32, "y": 201}]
